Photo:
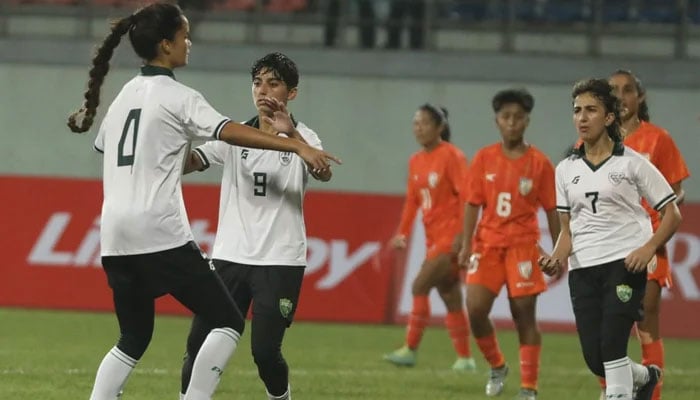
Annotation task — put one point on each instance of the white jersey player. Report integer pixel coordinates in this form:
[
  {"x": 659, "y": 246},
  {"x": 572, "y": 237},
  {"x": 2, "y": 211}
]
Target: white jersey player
[
  {"x": 147, "y": 248},
  {"x": 260, "y": 246},
  {"x": 607, "y": 236}
]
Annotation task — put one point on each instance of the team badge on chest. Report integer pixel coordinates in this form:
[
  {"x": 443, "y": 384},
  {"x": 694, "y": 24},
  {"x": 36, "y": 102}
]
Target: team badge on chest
[
  {"x": 433, "y": 179},
  {"x": 525, "y": 186},
  {"x": 285, "y": 157}
]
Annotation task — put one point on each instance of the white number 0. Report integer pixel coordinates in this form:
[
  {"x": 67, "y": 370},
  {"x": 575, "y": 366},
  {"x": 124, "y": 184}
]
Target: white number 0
[{"x": 503, "y": 206}]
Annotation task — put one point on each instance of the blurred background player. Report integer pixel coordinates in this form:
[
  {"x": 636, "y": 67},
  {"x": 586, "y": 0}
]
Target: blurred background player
[
  {"x": 657, "y": 145},
  {"x": 436, "y": 176},
  {"x": 509, "y": 181},
  {"x": 608, "y": 239}
]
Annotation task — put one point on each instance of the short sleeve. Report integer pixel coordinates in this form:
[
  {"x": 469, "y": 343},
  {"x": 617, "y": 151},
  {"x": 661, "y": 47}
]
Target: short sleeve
[
  {"x": 99, "y": 144},
  {"x": 212, "y": 153},
  {"x": 668, "y": 159},
  {"x": 474, "y": 188},
  {"x": 310, "y": 136},
  {"x": 547, "y": 193},
  {"x": 560, "y": 182},
  {"x": 201, "y": 120},
  {"x": 652, "y": 185}
]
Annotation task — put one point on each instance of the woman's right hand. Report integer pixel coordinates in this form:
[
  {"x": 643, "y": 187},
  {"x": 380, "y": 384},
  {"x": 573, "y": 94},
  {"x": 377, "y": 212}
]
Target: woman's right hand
[
  {"x": 398, "y": 242},
  {"x": 315, "y": 158},
  {"x": 465, "y": 254}
]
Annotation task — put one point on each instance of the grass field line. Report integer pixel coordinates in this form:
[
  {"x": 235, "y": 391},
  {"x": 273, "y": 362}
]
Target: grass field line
[{"x": 375, "y": 372}]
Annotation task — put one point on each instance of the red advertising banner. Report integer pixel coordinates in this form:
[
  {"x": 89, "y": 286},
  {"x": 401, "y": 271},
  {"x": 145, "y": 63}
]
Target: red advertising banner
[{"x": 51, "y": 227}]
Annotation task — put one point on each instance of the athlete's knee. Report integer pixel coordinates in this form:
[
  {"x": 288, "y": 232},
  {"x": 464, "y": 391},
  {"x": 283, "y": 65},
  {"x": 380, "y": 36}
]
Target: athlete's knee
[
  {"x": 594, "y": 363},
  {"x": 267, "y": 355},
  {"x": 134, "y": 344}
]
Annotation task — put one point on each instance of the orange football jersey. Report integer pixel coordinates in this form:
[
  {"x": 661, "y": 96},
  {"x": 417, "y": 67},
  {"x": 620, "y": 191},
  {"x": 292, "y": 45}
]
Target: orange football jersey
[
  {"x": 510, "y": 191},
  {"x": 435, "y": 184},
  {"x": 657, "y": 146}
]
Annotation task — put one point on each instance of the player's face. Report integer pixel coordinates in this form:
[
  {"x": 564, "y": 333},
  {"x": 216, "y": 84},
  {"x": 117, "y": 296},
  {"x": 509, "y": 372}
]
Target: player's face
[
  {"x": 590, "y": 117},
  {"x": 266, "y": 84},
  {"x": 426, "y": 130},
  {"x": 625, "y": 89},
  {"x": 512, "y": 120},
  {"x": 178, "y": 50}
]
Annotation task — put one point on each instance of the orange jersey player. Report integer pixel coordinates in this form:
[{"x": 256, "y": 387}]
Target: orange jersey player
[
  {"x": 657, "y": 145},
  {"x": 435, "y": 185},
  {"x": 509, "y": 181}
]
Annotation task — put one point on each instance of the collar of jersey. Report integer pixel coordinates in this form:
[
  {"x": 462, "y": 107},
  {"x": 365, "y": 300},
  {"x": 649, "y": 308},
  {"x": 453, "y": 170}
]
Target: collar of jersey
[
  {"x": 152, "y": 70},
  {"x": 618, "y": 149},
  {"x": 255, "y": 121}
]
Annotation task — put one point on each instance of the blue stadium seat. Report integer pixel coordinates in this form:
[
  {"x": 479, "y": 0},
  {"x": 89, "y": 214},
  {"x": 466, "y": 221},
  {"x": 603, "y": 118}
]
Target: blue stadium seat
[{"x": 658, "y": 11}]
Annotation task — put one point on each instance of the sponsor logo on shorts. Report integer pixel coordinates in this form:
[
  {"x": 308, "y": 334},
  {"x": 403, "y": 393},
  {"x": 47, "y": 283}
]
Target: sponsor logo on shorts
[
  {"x": 286, "y": 306},
  {"x": 624, "y": 293},
  {"x": 525, "y": 269}
]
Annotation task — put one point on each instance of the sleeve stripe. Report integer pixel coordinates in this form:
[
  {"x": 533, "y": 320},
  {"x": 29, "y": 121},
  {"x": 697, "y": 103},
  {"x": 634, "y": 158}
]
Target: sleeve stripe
[
  {"x": 97, "y": 149},
  {"x": 671, "y": 197},
  {"x": 563, "y": 208},
  {"x": 219, "y": 127},
  {"x": 202, "y": 157}
]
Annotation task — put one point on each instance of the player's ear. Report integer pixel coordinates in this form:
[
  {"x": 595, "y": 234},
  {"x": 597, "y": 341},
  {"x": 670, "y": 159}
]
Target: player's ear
[
  {"x": 609, "y": 119},
  {"x": 292, "y": 94}
]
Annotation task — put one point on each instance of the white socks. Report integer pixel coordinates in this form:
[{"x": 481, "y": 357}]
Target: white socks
[
  {"x": 618, "y": 378},
  {"x": 112, "y": 374},
  {"x": 285, "y": 396},
  {"x": 640, "y": 374},
  {"x": 210, "y": 362}
]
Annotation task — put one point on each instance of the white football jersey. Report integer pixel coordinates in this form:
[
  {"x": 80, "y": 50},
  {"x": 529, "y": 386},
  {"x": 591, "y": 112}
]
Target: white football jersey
[
  {"x": 604, "y": 202},
  {"x": 261, "y": 219},
  {"x": 144, "y": 137}
]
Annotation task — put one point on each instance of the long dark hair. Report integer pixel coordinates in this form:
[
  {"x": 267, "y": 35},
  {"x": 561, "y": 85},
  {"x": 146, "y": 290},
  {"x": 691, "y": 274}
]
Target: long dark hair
[
  {"x": 643, "y": 112},
  {"x": 439, "y": 116},
  {"x": 147, "y": 27},
  {"x": 601, "y": 90}
]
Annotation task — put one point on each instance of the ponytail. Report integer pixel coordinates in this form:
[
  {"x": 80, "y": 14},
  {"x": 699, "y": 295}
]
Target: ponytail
[{"x": 81, "y": 120}]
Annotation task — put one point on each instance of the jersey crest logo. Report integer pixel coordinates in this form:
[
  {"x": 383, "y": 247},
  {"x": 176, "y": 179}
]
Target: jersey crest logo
[
  {"x": 285, "y": 157},
  {"x": 433, "y": 179},
  {"x": 616, "y": 178},
  {"x": 576, "y": 179},
  {"x": 244, "y": 153},
  {"x": 491, "y": 177},
  {"x": 624, "y": 293},
  {"x": 525, "y": 186},
  {"x": 286, "y": 306},
  {"x": 525, "y": 269}
]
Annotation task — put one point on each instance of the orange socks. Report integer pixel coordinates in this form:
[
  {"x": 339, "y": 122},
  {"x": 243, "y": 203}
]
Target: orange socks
[
  {"x": 458, "y": 328},
  {"x": 417, "y": 321},
  {"x": 489, "y": 348},
  {"x": 653, "y": 353},
  {"x": 529, "y": 365}
]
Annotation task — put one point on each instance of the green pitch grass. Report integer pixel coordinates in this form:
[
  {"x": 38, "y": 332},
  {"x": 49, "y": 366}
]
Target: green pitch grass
[{"x": 53, "y": 356}]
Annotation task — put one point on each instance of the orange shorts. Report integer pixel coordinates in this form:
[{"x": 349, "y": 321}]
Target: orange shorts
[
  {"x": 514, "y": 266},
  {"x": 440, "y": 241},
  {"x": 659, "y": 269}
]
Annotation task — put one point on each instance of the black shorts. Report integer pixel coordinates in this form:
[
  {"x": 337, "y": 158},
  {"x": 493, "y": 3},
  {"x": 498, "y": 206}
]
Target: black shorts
[
  {"x": 609, "y": 289},
  {"x": 155, "y": 274},
  {"x": 273, "y": 289}
]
